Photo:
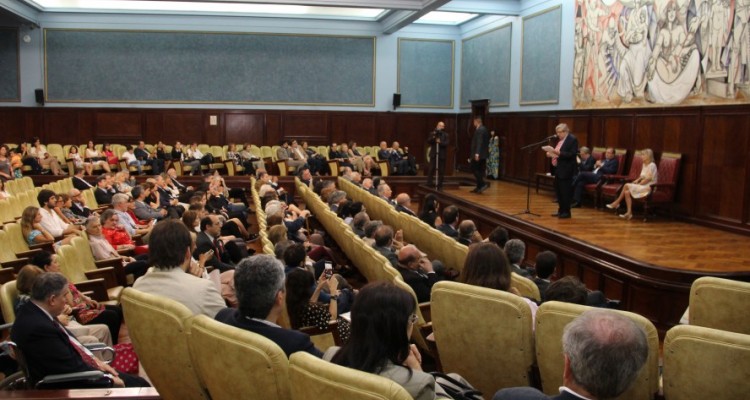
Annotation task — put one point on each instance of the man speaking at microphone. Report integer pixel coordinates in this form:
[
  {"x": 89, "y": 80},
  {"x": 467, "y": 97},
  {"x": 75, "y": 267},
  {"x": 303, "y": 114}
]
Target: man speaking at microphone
[
  {"x": 438, "y": 141},
  {"x": 563, "y": 157}
]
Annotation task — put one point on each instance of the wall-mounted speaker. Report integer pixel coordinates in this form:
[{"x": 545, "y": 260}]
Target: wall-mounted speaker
[
  {"x": 396, "y": 100},
  {"x": 39, "y": 95}
]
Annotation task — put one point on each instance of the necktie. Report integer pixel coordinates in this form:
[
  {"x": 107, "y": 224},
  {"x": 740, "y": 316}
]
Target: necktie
[
  {"x": 219, "y": 248},
  {"x": 85, "y": 354},
  {"x": 559, "y": 145}
]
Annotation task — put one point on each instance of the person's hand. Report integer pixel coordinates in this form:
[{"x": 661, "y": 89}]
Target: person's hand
[
  {"x": 64, "y": 319},
  {"x": 399, "y": 236},
  {"x": 414, "y": 360},
  {"x": 425, "y": 265},
  {"x": 91, "y": 302},
  {"x": 196, "y": 268},
  {"x": 476, "y": 157},
  {"x": 333, "y": 284},
  {"x": 104, "y": 367},
  {"x": 203, "y": 257}
]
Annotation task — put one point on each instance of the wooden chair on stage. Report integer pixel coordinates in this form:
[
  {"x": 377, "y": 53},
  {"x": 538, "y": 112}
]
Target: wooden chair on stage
[
  {"x": 610, "y": 185},
  {"x": 664, "y": 190},
  {"x": 592, "y": 189}
]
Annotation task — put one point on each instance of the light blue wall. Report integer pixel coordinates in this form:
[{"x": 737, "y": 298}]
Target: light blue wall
[{"x": 32, "y": 54}]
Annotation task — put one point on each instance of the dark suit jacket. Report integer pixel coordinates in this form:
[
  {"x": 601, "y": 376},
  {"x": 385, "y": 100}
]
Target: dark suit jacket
[
  {"x": 609, "y": 167},
  {"x": 80, "y": 210},
  {"x": 587, "y": 165},
  {"x": 405, "y": 210},
  {"x": 389, "y": 254},
  {"x": 566, "y": 161},
  {"x": 444, "y": 141},
  {"x": 204, "y": 243},
  {"x": 103, "y": 196},
  {"x": 448, "y": 230},
  {"x": 47, "y": 348},
  {"x": 165, "y": 197},
  {"x": 542, "y": 285},
  {"x": 527, "y": 393},
  {"x": 81, "y": 184},
  {"x": 480, "y": 143},
  {"x": 420, "y": 283},
  {"x": 289, "y": 340}
]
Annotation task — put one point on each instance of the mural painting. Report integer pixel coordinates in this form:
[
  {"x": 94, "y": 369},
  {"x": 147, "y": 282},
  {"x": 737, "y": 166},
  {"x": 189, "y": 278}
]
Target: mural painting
[{"x": 636, "y": 53}]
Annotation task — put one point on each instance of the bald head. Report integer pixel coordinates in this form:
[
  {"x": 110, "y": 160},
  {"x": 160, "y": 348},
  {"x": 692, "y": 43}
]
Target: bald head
[
  {"x": 408, "y": 254},
  {"x": 403, "y": 199}
]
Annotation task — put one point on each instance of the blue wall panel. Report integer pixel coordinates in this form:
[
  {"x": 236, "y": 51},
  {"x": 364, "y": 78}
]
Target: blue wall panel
[
  {"x": 425, "y": 72},
  {"x": 203, "y": 67},
  {"x": 9, "y": 77},
  {"x": 485, "y": 67},
  {"x": 540, "y": 69}
]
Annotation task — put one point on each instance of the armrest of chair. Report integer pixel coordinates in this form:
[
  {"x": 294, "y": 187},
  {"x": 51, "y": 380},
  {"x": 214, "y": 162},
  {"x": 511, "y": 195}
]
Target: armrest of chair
[
  {"x": 88, "y": 379},
  {"x": 31, "y": 253},
  {"x": 95, "y": 286},
  {"x": 106, "y": 353},
  {"x": 138, "y": 239},
  {"x": 129, "y": 252},
  {"x": 425, "y": 308},
  {"x": 108, "y": 274},
  {"x": 6, "y": 275},
  {"x": 116, "y": 265},
  {"x": 15, "y": 265},
  {"x": 615, "y": 178},
  {"x": 332, "y": 329}
]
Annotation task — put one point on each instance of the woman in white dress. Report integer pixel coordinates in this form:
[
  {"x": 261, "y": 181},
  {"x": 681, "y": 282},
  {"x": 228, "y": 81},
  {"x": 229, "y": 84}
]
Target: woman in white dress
[
  {"x": 640, "y": 187},
  {"x": 96, "y": 157}
]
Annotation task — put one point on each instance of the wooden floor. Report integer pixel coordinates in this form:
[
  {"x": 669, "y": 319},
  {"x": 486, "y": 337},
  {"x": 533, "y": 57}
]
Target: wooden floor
[{"x": 661, "y": 242}]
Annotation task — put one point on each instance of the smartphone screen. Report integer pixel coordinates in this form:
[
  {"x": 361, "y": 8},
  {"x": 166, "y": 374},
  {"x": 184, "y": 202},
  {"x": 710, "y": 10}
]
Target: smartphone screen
[{"x": 328, "y": 271}]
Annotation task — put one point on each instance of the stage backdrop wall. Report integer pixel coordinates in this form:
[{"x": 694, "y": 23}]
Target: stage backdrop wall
[{"x": 425, "y": 72}]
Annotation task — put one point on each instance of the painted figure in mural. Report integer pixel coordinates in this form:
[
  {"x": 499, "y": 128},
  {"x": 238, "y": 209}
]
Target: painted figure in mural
[
  {"x": 674, "y": 64},
  {"x": 632, "y": 82},
  {"x": 739, "y": 58},
  {"x": 717, "y": 34},
  {"x": 592, "y": 30},
  {"x": 579, "y": 55},
  {"x": 610, "y": 52}
]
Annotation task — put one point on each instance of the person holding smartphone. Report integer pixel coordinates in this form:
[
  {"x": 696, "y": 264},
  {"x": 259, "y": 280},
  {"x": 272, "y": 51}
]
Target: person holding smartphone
[{"x": 302, "y": 301}]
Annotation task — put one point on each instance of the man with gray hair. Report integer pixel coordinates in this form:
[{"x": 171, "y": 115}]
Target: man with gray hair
[
  {"x": 259, "y": 282},
  {"x": 120, "y": 203},
  {"x": 47, "y": 346},
  {"x": 604, "y": 351},
  {"x": 515, "y": 249}
]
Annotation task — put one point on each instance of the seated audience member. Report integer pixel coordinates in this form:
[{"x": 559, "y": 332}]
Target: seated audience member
[
  {"x": 358, "y": 223},
  {"x": 384, "y": 244},
  {"x": 96, "y": 157},
  {"x": 78, "y": 161},
  {"x": 78, "y": 204},
  {"x": 116, "y": 235},
  {"x": 370, "y": 229},
  {"x": 383, "y": 317},
  {"x": 84, "y": 309},
  {"x": 467, "y": 232},
  {"x": 604, "y": 352},
  {"x": 91, "y": 333},
  {"x": 170, "y": 257},
  {"x": 336, "y": 199},
  {"x": 178, "y": 154},
  {"x": 209, "y": 239},
  {"x": 33, "y": 231},
  {"x": 122, "y": 181},
  {"x": 104, "y": 190},
  {"x": 499, "y": 236},
  {"x": 47, "y": 161},
  {"x": 305, "y": 176},
  {"x": 78, "y": 181},
  {"x": 417, "y": 271},
  {"x": 121, "y": 204},
  {"x": 385, "y": 193},
  {"x": 487, "y": 266},
  {"x": 103, "y": 250},
  {"x": 143, "y": 210},
  {"x": 185, "y": 191},
  {"x": 348, "y": 210},
  {"x": 132, "y": 160},
  {"x": 167, "y": 200},
  {"x": 450, "y": 222},
  {"x": 51, "y": 222},
  {"x": 608, "y": 166},
  {"x": 27, "y": 159},
  {"x": 303, "y": 301},
  {"x": 430, "y": 213},
  {"x": 396, "y": 163},
  {"x": 149, "y": 158},
  {"x": 64, "y": 206},
  {"x": 515, "y": 249},
  {"x": 546, "y": 263},
  {"x": 259, "y": 283},
  {"x": 48, "y": 347},
  {"x": 411, "y": 162},
  {"x": 403, "y": 203},
  {"x": 568, "y": 289}
]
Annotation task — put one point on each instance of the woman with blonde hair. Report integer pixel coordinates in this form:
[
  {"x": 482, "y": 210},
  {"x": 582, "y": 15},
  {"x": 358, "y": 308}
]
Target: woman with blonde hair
[
  {"x": 640, "y": 187},
  {"x": 32, "y": 229}
]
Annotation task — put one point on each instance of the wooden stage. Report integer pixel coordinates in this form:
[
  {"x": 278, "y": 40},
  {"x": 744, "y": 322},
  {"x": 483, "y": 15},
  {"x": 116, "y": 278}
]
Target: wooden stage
[{"x": 648, "y": 266}]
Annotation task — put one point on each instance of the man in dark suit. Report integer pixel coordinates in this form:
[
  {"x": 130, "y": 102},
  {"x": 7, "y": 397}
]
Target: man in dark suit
[
  {"x": 403, "y": 201},
  {"x": 615, "y": 344},
  {"x": 480, "y": 144},
  {"x": 564, "y": 160},
  {"x": 186, "y": 192},
  {"x": 78, "y": 181},
  {"x": 208, "y": 239},
  {"x": 48, "y": 347},
  {"x": 78, "y": 206},
  {"x": 466, "y": 231},
  {"x": 384, "y": 244},
  {"x": 546, "y": 263},
  {"x": 450, "y": 221},
  {"x": 608, "y": 166},
  {"x": 104, "y": 190},
  {"x": 142, "y": 154},
  {"x": 259, "y": 283},
  {"x": 438, "y": 141},
  {"x": 417, "y": 272}
]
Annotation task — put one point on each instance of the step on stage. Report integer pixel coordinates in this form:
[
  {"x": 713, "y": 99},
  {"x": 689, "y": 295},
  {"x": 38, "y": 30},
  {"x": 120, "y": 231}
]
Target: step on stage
[{"x": 649, "y": 266}]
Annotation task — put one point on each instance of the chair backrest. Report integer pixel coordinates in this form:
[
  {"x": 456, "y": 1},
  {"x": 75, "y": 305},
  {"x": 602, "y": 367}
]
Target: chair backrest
[
  {"x": 314, "y": 379},
  {"x": 158, "y": 328},
  {"x": 15, "y": 241},
  {"x": 243, "y": 355},
  {"x": 621, "y": 155},
  {"x": 8, "y": 296},
  {"x": 551, "y": 319},
  {"x": 668, "y": 172},
  {"x": 719, "y": 304},
  {"x": 6, "y": 253},
  {"x": 525, "y": 286},
  {"x": 484, "y": 335},
  {"x": 635, "y": 167},
  {"x": 704, "y": 363}
]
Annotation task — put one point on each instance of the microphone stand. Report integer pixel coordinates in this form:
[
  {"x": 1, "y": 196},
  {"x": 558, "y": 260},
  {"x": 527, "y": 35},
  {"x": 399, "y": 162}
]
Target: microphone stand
[
  {"x": 530, "y": 148},
  {"x": 437, "y": 165}
]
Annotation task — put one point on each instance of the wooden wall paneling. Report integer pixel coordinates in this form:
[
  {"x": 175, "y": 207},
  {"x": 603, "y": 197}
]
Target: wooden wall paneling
[
  {"x": 60, "y": 126},
  {"x": 304, "y": 124},
  {"x": 361, "y": 129},
  {"x": 86, "y": 125},
  {"x": 724, "y": 169},
  {"x": 214, "y": 134},
  {"x": 154, "y": 128},
  {"x": 187, "y": 126},
  {"x": 119, "y": 125},
  {"x": 411, "y": 131},
  {"x": 385, "y": 127},
  {"x": 579, "y": 126},
  {"x": 590, "y": 277},
  {"x": 462, "y": 141},
  {"x": 616, "y": 131},
  {"x": 244, "y": 127},
  {"x": 273, "y": 133},
  {"x": 612, "y": 287},
  {"x": 337, "y": 132}
]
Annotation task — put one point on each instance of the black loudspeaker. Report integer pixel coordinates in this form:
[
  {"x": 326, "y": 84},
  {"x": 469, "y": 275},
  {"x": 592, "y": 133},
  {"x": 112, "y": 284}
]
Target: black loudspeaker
[
  {"x": 396, "y": 100},
  {"x": 39, "y": 95}
]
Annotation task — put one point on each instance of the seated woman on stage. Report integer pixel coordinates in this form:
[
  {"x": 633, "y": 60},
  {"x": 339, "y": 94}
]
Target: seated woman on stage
[{"x": 640, "y": 187}]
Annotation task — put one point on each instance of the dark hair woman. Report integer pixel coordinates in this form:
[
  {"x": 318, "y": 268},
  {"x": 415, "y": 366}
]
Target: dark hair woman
[
  {"x": 302, "y": 302},
  {"x": 430, "y": 213}
]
